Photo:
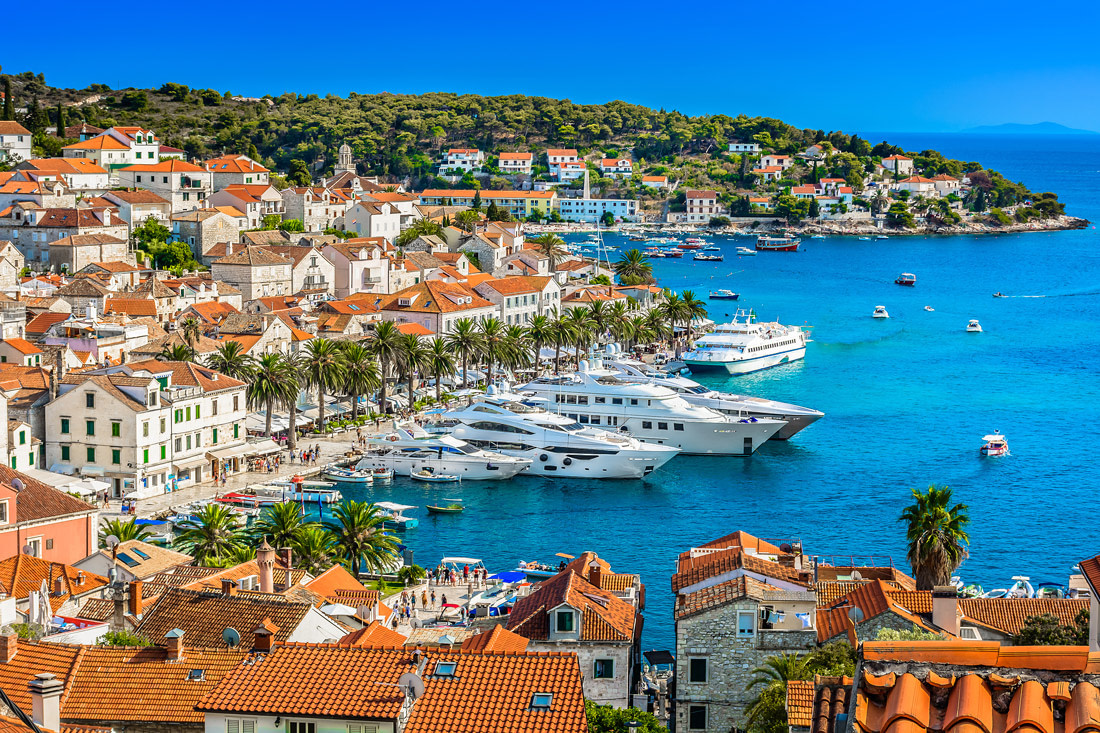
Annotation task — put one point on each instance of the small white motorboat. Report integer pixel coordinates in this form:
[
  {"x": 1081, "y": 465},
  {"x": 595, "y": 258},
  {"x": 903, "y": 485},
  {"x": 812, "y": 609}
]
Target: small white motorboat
[
  {"x": 1022, "y": 588},
  {"x": 865, "y": 239},
  {"x": 880, "y": 312},
  {"x": 994, "y": 446},
  {"x": 973, "y": 326},
  {"x": 929, "y": 308},
  {"x": 882, "y": 236},
  {"x": 347, "y": 475},
  {"x": 746, "y": 252},
  {"x": 818, "y": 236},
  {"x": 431, "y": 477},
  {"x": 995, "y": 593},
  {"x": 382, "y": 474}
]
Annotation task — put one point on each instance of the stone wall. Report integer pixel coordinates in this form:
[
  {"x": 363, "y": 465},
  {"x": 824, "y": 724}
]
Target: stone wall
[{"x": 614, "y": 691}]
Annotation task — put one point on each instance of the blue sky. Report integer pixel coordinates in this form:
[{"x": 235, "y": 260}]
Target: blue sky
[{"x": 853, "y": 66}]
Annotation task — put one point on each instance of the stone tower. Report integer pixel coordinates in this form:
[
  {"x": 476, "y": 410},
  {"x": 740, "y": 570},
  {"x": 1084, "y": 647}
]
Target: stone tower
[{"x": 345, "y": 164}]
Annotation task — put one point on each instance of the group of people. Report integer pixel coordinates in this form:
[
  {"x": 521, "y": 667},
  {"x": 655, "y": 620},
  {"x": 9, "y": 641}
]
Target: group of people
[
  {"x": 307, "y": 457},
  {"x": 443, "y": 575}
]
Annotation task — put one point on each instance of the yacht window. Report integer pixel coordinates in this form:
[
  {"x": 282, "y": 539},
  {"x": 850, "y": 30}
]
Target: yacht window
[
  {"x": 584, "y": 419},
  {"x": 647, "y": 425},
  {"x": 662, "y": 426},
  {"x": 601, "y": 400},
  {"x": 582, "y": 400},
  {"x": 548, "y": 426},
  {"x": 499, "y": 427},
  {"x": 678, "y": 426},
  {"x": 612, "y": 420},
  {"x": 633, "y": 401},
  {"x": 616, "y": 400},
  {"x": 573, "y": 426},
  {"x": 571, "y": 399},
  {"x": 595, "y": 419}
]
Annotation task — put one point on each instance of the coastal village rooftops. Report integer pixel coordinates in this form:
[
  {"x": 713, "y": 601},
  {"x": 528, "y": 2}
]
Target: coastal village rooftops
[
  {"x": 65, "y": 166},
  {"x": 516, "y": 156},
  {"x": 90, "y": 217},
  {"x": 9, "y": 127},
  {"x": 498, "y": 639},
  {"x": 184, "y": 374},
  {"x": 518, "y": 284},
  {"x": 204, "y": 615},
  {"x": 415, "y": 328},
  {"x": 917, "y": 179},
  {"x": 22, "y": 346},
  {"x": 561, "y": 152},
  {"x": 897, "y": 157},
  {"x": 234, "y": 164},
  {"x": 37, "y": 501},
  {"x": 803, "y": 189},
  {"x": 945, "y": 177},
  {"x": 374, "y": 635},
  {"x": 483, "y": 691},
  {"x": 701, "y": 194},
  {"x": 148, "y": 560},
  {"x": 167, "y": 166},
  {"x": 604, "y": 616},
  {"x": 134, "y": 195},
  {"x": 469, "y": 193},
  {"x": 100, "y": 142},
  {"x": 253, "y": 256},
  {"x": 131, "y": 306},
  {"x": 460, "y": 151},
  {"x": 615, "y": 162},
  {"x": 873, "y": 599},
  {"x": 694, "y": 570},
  {"x": 800, "y": 703},
  {"x": 434, "y": 296},
  {"x": 21, "y": 574}
]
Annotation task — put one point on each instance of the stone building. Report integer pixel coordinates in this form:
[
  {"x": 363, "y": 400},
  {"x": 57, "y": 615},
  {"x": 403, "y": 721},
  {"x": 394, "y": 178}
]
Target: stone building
[
  {"x": 203, "y": 228},
  {"x": 256, "y": 271},
  {"x": 74, "y": 253}
]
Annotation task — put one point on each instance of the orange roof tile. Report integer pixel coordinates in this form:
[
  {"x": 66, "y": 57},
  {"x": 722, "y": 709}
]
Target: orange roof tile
[
  {"x": 1010, "y": 614},
  {"x": 415, "y": 328},
  {"x": 204, "y": 615},
  {"x": 375, "y": 635},
  {"x": 334, "y": 579},
  {"x": 20, "y": 574},
  {"x": 604, "y": 616},
  {"x": 167, "y": 166},
  {"x": 22, "y": 346},
  {"x": 800, "y": 700},
  {"x": 692, "y": 570},
  {"x": 499, "y": 639}
]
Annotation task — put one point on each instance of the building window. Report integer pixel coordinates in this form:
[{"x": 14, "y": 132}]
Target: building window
[
  {"x": 145, "y": 429},
  {"x": 116, "y": 456},
  {"x": 542, "y": 700},
  {"x": 116, "y": 429},
  {"x": 697, "y": 669},
  {"x": 215, "y": 435},
  {"x": 4, "y": 511},
  {"x": 35, "y": 546},
  {"x": 90, "y": 425},
  {"x": 163, "y": 452},
  {"x": 91, "y": 455},
  {"x": 697, "y": 717},
  {"x": 745, "y": 623},
  {"x": 240, "y": 725},
  {"x": 603, "y": 669},
  {"x": 236, "y": 430},
  {"x": 564, "y": 621},
  {"x": 64, "y": 452},
  {"x": 64, "y": 425},
  {"x": 22, "y": 437},
  {"x": 89, "y": 400},
  {"x": 145, "y": 456},
  {"x": 301, "y": 726}
]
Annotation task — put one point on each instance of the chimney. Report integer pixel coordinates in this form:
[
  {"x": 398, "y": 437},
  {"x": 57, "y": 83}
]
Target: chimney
[
  {"x": 286, "y": 557},
  {"x": 228, "y": 248},
  {"x": 229, "y": 587},
  {"x": 46, "y": 692},
  {"x": 265, "y": 559},
  {"x": 9, "y": 644},
  {"x": 59, "y": 586},
  {"x": 595, "y": 573},
  {"x": 135, "y": 598},
  {"x": 175, "y": 645},
  {"x": 265, "y": 636},
  {"x": 945, "y": 608}
]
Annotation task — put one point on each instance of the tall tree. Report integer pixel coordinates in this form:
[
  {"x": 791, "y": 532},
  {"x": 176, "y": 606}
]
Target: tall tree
[
  {"x": 539, "y": 332},
  {"x": 231, "y": 360},
  {"x": 268, "y": 386},
  {"x": 413, "y": 358},
  {"x": 552, "y": 247},
  {"x": 937, "y": 537},
  {"x": 212, "y": 535},
  {"x": 59, "y": 118},
  {"x": 491, "y": 331},
  {"x": 9, "y": 100},
  {"x": 360, "y": 374},
  {"x": 386, "y": 347},
  {"x": 633, "y": 268},
  {"x": 466, "y": 340},
  {"x": 324, "y": 370},
  {"x": 356, "y": 528},
  {"x": 693, "y": 309},
  {"x": 281, "y": 524},
  {"x": 440, "y": 362}
]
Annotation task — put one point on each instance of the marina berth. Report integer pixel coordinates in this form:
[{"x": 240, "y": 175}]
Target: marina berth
[
  {"x": 557, "y": 446},
  {"x": 744, "y": 346},
  {"x": 649, "y": 412},
  {"x": 410, "y": 450}
]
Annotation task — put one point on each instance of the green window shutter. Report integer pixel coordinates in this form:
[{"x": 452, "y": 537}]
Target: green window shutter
[
  {"x": 64, "y": 425},
  {"x": 91, "y": 454},
  {"x": 146, "y": 456},
  {"x": 116, "y": 456},
  {"x": 64, "y": 452},
  {"x": 116, "y": 429},
  {"x": 163, "y": 452},
  {"x": 90, "y": 425}
]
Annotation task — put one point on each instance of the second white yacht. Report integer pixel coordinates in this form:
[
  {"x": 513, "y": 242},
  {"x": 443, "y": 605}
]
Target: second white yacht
[
  {"x": 650, "y": 412},
  {"x": 410, "y": 449},
  {"x": 556, "y": 445},
  {"x": 728, "y": 403}
]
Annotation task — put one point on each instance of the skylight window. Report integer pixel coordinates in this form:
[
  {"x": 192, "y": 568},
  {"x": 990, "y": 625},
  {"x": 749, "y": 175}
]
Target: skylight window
[
  {"x": 541, "y": 700},
  {"x": 139, "y": 553},
  {"x": 445, "y": 669},
  {"x": 196, "y": 675},
  {"x": 129, "y": 561},
  {"x": 353, "y": 307}
]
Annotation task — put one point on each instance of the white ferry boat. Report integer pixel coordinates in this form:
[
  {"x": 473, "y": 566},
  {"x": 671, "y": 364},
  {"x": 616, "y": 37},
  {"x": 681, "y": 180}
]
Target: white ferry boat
[
  {"x": 744, "y": 346},
  {"x": 650, "y": 412},
  {"x": 410, "y": 449},
  {"x": 555, "y": 445}
]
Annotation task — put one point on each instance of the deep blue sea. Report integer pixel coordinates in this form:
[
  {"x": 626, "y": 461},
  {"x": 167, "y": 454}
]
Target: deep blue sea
[{"x": 907, "y": 401}]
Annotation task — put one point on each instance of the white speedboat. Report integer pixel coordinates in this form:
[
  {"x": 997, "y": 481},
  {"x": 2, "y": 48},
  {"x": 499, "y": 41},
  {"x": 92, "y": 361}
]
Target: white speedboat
[
  {"x": 929, "y": 308},
  {"x": 973, "y": 326},
  {"x": 1022, "y": 588},
  {"x": 410, "y": 449},
  {"x": 650, "y": 412},
  {"x": 746, "y": 251},
  {"x": 555, "y": 445},
  {"x": 818, "y": 236},
  {"x": 744, "y": 346},
  {"x": 880, "y": 312},
  {"x": 738, "y": 405},
  {"x": 994, "y": 446},
  {"x": 347, "y": 475},
  {"x": 429, "y": 476}
]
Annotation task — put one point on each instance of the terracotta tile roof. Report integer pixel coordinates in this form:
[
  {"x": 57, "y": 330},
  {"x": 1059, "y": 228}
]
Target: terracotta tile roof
[
  {"x": 187, "y": 374},
  {"x": 154, "y": 348},
  {"x": 253, "y": 256},
  {"x": 873, "y": 598},
  {"x": 33, "y": 658},
  {"x": 435, "y": 296},
  {"x": 110, "y": 384},
  {"x": 153, "y": 560},
  {"x": 917, "y": 179},
  {"x": 701, "y": 194},
  {"x": 85, "y": 240},
  {"x": 485, "y": 195},
  {"x": 1090, "y": 568},
  {"x": 38, "y": 501},
  {"x": 615, "y": 163},
  {"x": 83, "y": 287},
  {"x": 375, "y": 635},
  {"x": 234, "y": 164},
  {"x": 210, "y": 312},
  {"x": 829, "y": 697},
  {"x": 715, "y": 596},
  {"x": 516, "y": 285},
  {"x": 1008, "y": 615},
  {"x": 561, "y": 152},
  {"x": 204, "y": 615},
  {"x": 21, "y": 574},
  {"x": 415, "y": 328},
  {"x": 800, "y": 700},
  {"x": 135, "y": 195},
  {"x": 516, "y": 156},
  {"x": 100, "y": 142},
  {"x": 741, "y": 539},
  {"x": 22, "y": 346},
  {"x": 487, "y": 691},
  {"x": 131, "y": 306},
  {"x": 604, "y": 616},
  {"x": 985, "y": 654},
  {"x": 335, "y": 579},
  {"x": 167, "y": 166},
  {"x": 897, "y": 157},
  {"x": 213, "y": 581},
  {"x": 692, "y": 570},
  {"x": 499, "y": 639},
  {"x": 82, "y": 218},
  {"x": 654, "y": 179}
]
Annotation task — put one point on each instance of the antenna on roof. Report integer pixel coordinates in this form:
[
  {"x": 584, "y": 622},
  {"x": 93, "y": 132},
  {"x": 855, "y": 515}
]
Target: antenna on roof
[
  {"x": 18, "y": 484},
  {"x": 856, "y": 614},
  {"x": 231, "y": 636},
  {"x": 414, "y": 686}
]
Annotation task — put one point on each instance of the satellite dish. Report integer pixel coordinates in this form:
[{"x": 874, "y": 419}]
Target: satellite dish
[
  {"x": 17, "y": 484},
  {"x": 414, "y": 686},
  {"x": 231, "y": 636},
  {"x": 856, "y": 575},
  {"x": 363, "y": 611},
  {"x": 415, "y": 623},
  {"x": 856, "y": 614},
  {"x": 785, "y": 548},
  {"x": 113, "y": 541},
  {"x": 27, "y": 550}
]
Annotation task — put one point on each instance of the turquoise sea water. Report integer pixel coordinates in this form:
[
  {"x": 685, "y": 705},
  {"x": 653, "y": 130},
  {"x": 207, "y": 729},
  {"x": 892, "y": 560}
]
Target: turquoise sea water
[{"x": 907, "y": 401}]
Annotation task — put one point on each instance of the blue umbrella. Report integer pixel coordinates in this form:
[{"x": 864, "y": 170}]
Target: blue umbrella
[{"x": 509, "y": 576}]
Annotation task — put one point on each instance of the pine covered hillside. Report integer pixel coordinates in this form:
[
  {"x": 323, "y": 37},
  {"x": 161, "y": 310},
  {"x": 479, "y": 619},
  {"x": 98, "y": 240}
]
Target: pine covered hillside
[{"x": 400, "y": 137}]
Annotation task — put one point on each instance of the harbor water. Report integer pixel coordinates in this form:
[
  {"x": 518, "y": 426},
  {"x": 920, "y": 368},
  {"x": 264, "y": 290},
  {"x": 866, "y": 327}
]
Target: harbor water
[{"x": 907, "y": 401}]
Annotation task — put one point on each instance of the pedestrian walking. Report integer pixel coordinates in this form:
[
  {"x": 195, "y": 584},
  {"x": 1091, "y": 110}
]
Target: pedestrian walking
[{"x": 433, "y": 599}]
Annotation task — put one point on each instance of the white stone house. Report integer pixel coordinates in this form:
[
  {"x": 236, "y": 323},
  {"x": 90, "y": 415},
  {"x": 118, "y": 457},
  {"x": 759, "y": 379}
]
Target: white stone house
[
  {"x": 359, "y": 267},
  {"x": 254, "y": 200},
  {"x": 312, "y": 270},
  {"x": 900, "y": 164},
  {"x": 465, "y": 160},
  {"x": 78, "y": 174},
  {"x": 702, "y": 205},
  {"x": 435, "y": 305},
  {"x": 229, "y": 170},
  {"x": 740, "y": 147},
  {"x": 373, "y": 220},
  {"x": 256, "y": 271},
  {"x": 615, "y": 167},
  {"x": 770, "y": 159},
  {"x": 917, "y": 186},
  {"x": 15, "y": 142},
  {"x": 521, "y": 298},
  {"x": 137, "y": 205},
  {"x": 317, "y": 208},
  {"x": 185, "y": 185},
  {"x": 515, "y": 163}
]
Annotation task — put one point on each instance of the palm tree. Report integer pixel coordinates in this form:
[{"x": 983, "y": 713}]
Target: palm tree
[
  {"x": 419, "y": 228},
  {"x": 176, "y": 352},
  {"x": 191, "y": 330},
  {"x": 269, "y": 386},
  {"x": 281, "y": 524},
  {"x": 539, "y": 331},
  {"x": 466, "y": 220},
  {"x": 315, "y": 549},
  {"x": 360, "y": 373},
  {"x": 211, "y": 535},
  {"x": 386, "y": 347},
  {"x": 936, "y": 535},
  {"x": 693, "y": 308},
  {"x": 124, "y": 531},
  {"x": 231, "y": 360},
  {"x": 581, "y": 330},
  {"x": 466, "y": 340},
  {"x": 552, "y": 247},
  {"x": 324, "y": 369},
  {"x": 879, "y": 201},
  {"x": 295, "y": 376},
  {"x": 356, "y": 528},
  {"x": 672, "y": 309},
  {"x": 515, "y": 351},
  {"x": 633, "y": 268},
  {"x": 491, "y": 331},
  {"x": 440, "y": 362},
  {"x": 600, "y": 316},
  {"x": 562, "y": 334},
  {"x": 782, "y": 668},
  {"x": 413, "y": 357},
  {"x": 655, "y": 323}
]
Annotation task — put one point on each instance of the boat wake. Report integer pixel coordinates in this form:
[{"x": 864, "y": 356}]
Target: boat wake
[{"x": 860, "y": 342}]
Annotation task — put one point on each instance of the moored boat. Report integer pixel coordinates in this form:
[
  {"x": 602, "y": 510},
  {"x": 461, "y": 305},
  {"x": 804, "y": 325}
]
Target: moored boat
[
  {"x": 880, "y": 312},
  {"x": 746, "y": 251},
  {"x": 906, "y": 278},
  {"x": 394, "y": 516},
  {"x": 777, "y": 244},
  {"x": 429, "y": 476},
  {"x": 744, "y": 345},
  {"x": 452, "y": 508},
  {"x": 347, "y": 475},
  {"x": 724, "y": 295},
  {"x": 973, "y": 326},
  {"x": 382, "y": 474},
  {"x": 709, "y": 258},
  {"x": 994, "y": 446}
]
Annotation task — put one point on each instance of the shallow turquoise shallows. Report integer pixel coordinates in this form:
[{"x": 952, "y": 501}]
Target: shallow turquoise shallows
[{"x": 907, "y": 401}]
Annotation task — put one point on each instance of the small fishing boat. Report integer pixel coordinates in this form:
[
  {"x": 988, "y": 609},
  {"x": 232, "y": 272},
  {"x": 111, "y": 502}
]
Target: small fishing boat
[
  {"x": 995, "y": 593},
  {"x": 929, "y": 308},
  {"x": 1022, "y": 588},
  {"x": 453, "y": 508},
  {"x": 818, "y": 236},
  {"x": 906, "y": 278},
  {"x": 882, "y": 236},
  {"x": 347, "y": 475},
  {"x": 709, "y": 258},
  {"x": 973, "y": 590},
  {"x": 712, "y": 248},
  {"x": 865, "y": 239},
  {"x": 973, "y": 326},
  {"x": 746, "y": 251},
  {"x": 252, "y": 500},
  {"x": 694, "y": 240},
  {"x": 777, "y": 244},
  {"x": 994, "y": 446},
  {"x": 880, "y": 312},
  {"x": 690, "y": 245},
  {"x": 429, "y": 476},
  {"x": 382, "y": 474},
  {"x": 724, "y": 295},
  {"x": 1050, "y": 590},
  {"x": 394, "y": 516},
  {"x": 999, "y": 294}
]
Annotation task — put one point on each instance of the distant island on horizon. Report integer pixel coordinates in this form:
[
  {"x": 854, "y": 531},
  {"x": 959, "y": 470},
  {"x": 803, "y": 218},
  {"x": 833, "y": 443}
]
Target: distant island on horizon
[{"x": 1039, "y": 128}]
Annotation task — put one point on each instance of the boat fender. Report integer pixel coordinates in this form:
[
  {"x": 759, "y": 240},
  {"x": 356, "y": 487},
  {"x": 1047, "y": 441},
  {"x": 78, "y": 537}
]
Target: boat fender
[
  {"x": 567, "y": 462},
  {"x": 544, "y": 457},
  {"x": 392, "y": 438}
]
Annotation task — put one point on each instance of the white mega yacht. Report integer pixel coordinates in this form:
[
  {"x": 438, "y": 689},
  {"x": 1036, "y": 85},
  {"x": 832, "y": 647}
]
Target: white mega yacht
[
  {"x": 744, "y": 346},
  {"x": 410, "y": 448},
  {"x": 727, "y": 403},
  {"x": 650, "y": 412},
  {"x": 557, "y": 446}
]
